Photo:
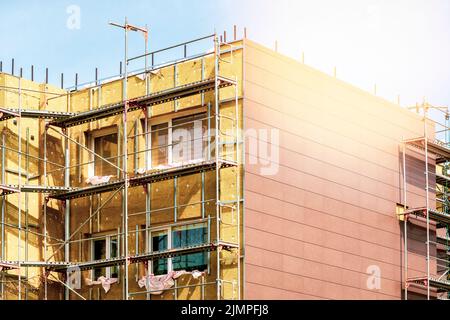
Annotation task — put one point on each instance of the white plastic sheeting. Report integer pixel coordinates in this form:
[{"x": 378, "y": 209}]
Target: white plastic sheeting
[
  {"x": 170, "y": 166},
  {"x": 105, "y": 282},
  {"x": 157, "y": 284},
  {"x": 98, "y": 180}
]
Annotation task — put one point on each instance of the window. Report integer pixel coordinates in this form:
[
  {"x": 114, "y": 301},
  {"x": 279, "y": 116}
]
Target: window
[
  {"x": 160, "y": 243},
  {"x": 105, "y": 147},
  {"x": 113, "y": 253},
  {"x": 104, "y": 143},
  {"x": 105, "y": 249},
  {"x": 99, "y": 254},
  {"x": 178, "y": 140},
  {"x": 159, "y": 143},
  {"x": 180, "y": 237},
  {"x": 189, "y": 236},
  {"x": 189, "y": 138}
]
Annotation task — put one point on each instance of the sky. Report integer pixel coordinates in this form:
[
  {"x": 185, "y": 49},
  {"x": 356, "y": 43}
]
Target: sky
[{"x": 402, "y": 46}]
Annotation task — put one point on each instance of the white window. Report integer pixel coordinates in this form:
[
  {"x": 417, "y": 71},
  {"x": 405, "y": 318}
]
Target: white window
[
  {"x": 160, "y": 145},
  {"x": 160, "y": 242},
  {"x": 178, "y": 141},
  {"x": 105, "y": 248},
  {"x": 103, "y": 142},
  {"x": 179, "y": 237},
  {"x": 189, "y": 138}
]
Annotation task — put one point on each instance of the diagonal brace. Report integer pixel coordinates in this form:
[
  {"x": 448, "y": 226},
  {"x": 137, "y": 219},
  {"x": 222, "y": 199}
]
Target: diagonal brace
[
  {"x": 84, "y": 223},
  {"x": 87, "y": 149}
]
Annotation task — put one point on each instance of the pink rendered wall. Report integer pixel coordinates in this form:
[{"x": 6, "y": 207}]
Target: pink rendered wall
[{"x": 328, "y": 213}]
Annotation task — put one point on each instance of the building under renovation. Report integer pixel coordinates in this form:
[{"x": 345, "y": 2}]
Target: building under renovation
[{"x": 230, "y": 173}]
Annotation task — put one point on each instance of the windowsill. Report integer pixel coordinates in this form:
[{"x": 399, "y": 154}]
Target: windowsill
[
  {"x": 101, "y": 234},
  {"x": 176, "y": 165}
]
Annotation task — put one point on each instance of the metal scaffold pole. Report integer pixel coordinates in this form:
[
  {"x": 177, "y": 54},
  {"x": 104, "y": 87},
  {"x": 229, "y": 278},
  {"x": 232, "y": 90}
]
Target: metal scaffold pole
[
  {"x": 19, "y": 195},
  {"x": 67, "y": 207},
  {"x": 147, "y": 83},
  {"x": 217, "y": 155},
  {"x": 27, "y": 181},
  {"x": 405, "y": 222},
  {"x": 3, "y": 256},
  {"x": 446, "y": 209},
  {"x": 45, "y": 212},
  {"x": 427, "y": 200},
  {"x": 147, "y": 160},
  {"x": 125, "y": 158},
  {"x": 238, "y": 189},
  {"x": 147, "y": 200},
  {"x": 127, "y": 27}
]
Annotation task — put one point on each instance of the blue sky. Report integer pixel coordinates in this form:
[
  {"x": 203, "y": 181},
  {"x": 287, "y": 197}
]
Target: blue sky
[{"x": 401, "y": 45}]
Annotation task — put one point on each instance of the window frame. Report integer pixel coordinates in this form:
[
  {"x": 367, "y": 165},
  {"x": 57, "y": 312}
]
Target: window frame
[
  {"x": 107, "y": 239},
  {"x": 149, "y": 163},
  {"x": 169, "y": 245},
  {"x": 202, "y": 116},
  {"x": 169, "y": 122},
  {"x": 91, "y": 136},
  {"x": 169, "y": 230}
]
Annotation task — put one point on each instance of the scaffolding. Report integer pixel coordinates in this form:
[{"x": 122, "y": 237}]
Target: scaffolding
[
  {"x": 60, "y": 122},
  {"x": 434, "y": 214}
]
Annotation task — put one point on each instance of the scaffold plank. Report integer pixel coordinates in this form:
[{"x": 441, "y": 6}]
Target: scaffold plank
[
  {"x": 10, "y": 189},
  {"x": 441, "y": 151},
  {"x": 5, "y": 190},
  {"x": 443, "y": 180},
  {"x": 30, "y": 264},
  {"x": 6, "y": 265},
  {"x": 144, "y": 257},
  {"x": 442, "y": 285},
  {"x": 86, "y": 191},
  {"x": 160, "y": 97},
  {"x": 443, "y": 241},
  {"x": 442, "y": 218},
  {"x": 6, "y": 114},
  {"x": 144, "y": 179}
]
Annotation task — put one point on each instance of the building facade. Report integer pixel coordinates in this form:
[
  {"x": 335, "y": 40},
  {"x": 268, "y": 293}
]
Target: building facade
[{"x": 247, "y": 175}]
